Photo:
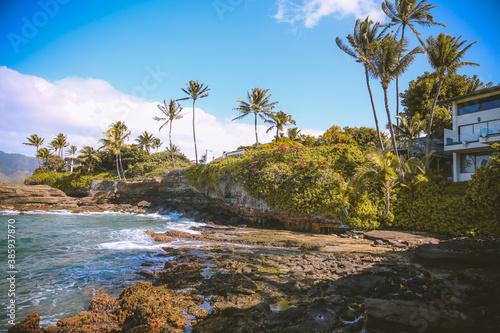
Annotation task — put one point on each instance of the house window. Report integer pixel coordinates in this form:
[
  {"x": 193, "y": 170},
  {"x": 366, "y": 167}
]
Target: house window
[
  {"x": 467, "y": 133},
  {"x": 470, "y": 162},
  {"x": 481, "y": 104}
]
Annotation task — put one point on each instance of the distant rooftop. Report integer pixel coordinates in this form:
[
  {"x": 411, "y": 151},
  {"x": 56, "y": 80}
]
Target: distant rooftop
[{"x": 478, "y": 92}]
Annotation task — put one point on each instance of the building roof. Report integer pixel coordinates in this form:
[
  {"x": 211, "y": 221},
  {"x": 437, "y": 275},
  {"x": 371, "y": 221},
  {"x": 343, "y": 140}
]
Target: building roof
[{"x": 472, "y": 94}]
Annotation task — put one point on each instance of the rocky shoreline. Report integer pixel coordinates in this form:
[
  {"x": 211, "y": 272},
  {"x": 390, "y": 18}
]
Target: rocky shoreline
[
  {"x": 257, "y": 277},
  {"x": 264, "y": 280}
]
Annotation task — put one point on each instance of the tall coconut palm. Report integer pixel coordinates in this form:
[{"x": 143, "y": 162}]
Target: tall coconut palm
[
  {"x": 72, "y": 151},
  {"x": 61, "y": 142},
  {"x": 445, "y": 56},
  {"x": 172, "y": 112},
  {"x": 408, "y": 13},
  {"x": 35, "y": 141},
  {"x": 361, "y": 43},
  {"x": 258, "y": 104},
  {"x": 88, "y": 156},
  {"x": 195, "y": 91},
  {"x": 146, "y": 141},
  {"x": 279, "y": 120},
  {"x": 115, "y": 140},
  {"x": 409, "y": 129},
  {"x": 157, "y": 144},
  {"x": 44, "y": 155},
  {"x": 386, "y": 64}
]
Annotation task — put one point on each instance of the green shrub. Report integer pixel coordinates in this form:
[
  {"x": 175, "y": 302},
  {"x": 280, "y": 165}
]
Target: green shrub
[
  {"x": 156, "y": 165},
  {"x": 68, "y": 181},
  {"x": 483, "y": 194},
  {"x": 434, "y": 207}
]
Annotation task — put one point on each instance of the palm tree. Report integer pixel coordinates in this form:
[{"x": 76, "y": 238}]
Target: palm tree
[
  {"x": 385, "y": 65},
  {"x": 61, "y": 142},
  {"x": 43, "y": 154},
  {"x": 278, "y": 121},
  {"x": 407, "y": 13},
  {"x": 361, "y": 42},
  {"x": 72, "y": 151},
  {"x": 88, "y": 156},
  {"x": 156, "y": 144},
  {"x": 409, "y": 130},
  {"x": 293, "y": 134},
  {"x": 35, "y": 141},
  {"x": 172, "y": 112},
  {"x": 115, "y": 140},
  {"x": 386, "y": 169},
  {"x": 445, "y": 57},
  {"x": 175, "y": 149},
  {"x": 146, "y": 141},
  {"x": 258, "y": 104},
  {"x": 195, "y": 91}
]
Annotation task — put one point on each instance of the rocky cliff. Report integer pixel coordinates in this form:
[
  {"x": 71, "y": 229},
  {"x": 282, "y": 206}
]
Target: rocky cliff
[
  {"x": 174, "y": 191},
  {"x": 34, "y": 194}
]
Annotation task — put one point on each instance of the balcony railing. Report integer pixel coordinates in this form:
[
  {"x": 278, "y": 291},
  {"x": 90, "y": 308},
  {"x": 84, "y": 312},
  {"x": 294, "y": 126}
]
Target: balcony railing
[{"x": 457, "y": 139}]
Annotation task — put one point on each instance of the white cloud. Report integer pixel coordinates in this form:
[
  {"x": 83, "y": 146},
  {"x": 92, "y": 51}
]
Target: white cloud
[
  {"x": 84, "y": 108},
  {"x": 311, "y": 11}
]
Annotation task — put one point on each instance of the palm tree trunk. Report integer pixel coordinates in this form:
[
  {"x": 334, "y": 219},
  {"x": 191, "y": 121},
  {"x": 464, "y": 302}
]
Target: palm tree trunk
[
  {"x": 256, "y": 136},
  {"x": 171, "y": 150},
  {"x": 121, "y": 166},
  {"x": 194, "y": 137},
  {"x": 387, "y": 201},
  {"x": 373, "y": 108},
  {"x": 397, "y": 77},
  {"x": 431, "y": 115},
  {"x": 277, "y": 133},
  {"x": 117, "y": 167},
  {"x": 391, "y": 129}
]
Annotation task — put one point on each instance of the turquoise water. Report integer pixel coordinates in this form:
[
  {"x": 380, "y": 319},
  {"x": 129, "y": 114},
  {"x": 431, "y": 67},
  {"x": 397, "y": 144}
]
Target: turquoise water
[{"x": 64, "y": 259}]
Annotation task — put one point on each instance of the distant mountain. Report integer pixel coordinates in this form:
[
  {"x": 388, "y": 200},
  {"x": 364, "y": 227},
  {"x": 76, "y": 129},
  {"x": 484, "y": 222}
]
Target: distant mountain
[{"x": 13, "y": 167}]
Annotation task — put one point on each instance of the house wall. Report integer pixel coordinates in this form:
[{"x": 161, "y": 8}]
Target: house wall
[{"x": 470, "y": 147}]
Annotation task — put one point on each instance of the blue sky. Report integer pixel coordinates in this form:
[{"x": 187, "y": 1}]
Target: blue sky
[{"x": 147, "y": 50}]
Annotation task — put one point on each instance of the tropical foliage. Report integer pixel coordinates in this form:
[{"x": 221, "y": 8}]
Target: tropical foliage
[
  {"x": 361, "y": 48},
  {"x": 445, "y": 56}
]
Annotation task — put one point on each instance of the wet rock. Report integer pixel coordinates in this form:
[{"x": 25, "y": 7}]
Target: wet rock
[
  {"x": 179, "y": 275},
  {"x": 29, "y": 325},
  {"x": 397, "y": 316},
  {"x": 144, "y": 204}
]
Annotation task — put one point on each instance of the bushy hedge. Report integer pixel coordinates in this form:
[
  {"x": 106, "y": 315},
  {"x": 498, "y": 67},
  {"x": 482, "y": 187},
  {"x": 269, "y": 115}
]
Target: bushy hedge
[
  {"x": 310, "y": 180},
  {"x": 68, "y": 181},
  {"x": 156, "y": 165},
  {"x": 462, "y": 209}
]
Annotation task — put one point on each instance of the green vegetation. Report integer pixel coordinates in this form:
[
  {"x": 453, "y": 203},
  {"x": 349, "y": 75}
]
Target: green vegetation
[
  {"x": 157, "y": 164},
  {"x": 68, "y": 181},
  {"x": 294, "y": 179}
]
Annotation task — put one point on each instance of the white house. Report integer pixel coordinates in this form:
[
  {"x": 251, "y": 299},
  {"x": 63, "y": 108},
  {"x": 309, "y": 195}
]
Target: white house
[{"x": 476, "y": 125}]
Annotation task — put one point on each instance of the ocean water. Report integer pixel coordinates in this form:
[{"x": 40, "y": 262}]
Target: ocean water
[{"x": 63, "y": 259}]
